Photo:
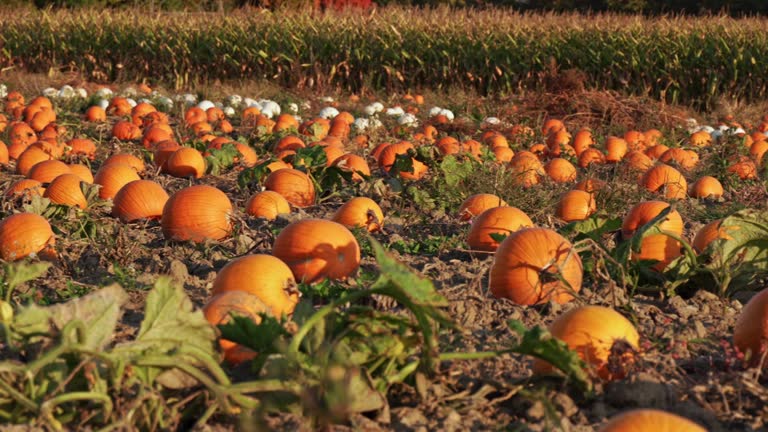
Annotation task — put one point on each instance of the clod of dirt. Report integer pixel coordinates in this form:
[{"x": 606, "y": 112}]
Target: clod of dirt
[
  {"x": 411, "y": 419},
  {"x": 178, "y": 271}
]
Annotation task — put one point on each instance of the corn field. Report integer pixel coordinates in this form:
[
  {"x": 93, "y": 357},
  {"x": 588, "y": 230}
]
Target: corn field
[{"x": 680, "y": 60}]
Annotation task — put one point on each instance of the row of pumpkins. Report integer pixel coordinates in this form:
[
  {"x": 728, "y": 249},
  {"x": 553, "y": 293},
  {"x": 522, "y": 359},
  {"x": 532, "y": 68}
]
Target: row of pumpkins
[{"x": 532, "y": 265}]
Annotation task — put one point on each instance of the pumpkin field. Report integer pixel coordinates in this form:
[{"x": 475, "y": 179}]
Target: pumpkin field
[{"x": 183, "y": 254}]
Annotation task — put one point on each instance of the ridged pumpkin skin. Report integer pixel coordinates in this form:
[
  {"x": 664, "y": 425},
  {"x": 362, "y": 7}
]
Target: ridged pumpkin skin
[
  {"x": 615, "y": 149},
  {"x": 637, "y": 161},
  {"x": 592, "y": 331},
  {"x": 82, "y": 171},
  {"x": 560, "y": 170},
  {"x": 660, "y": 247},
  {"x": 112, "y": 177},
  {"x": 360, "y": 212},
  {"x": 316, "y": 249},
  {"x": 65, "y": 189},
  {"x": 526, "y": 264},
  {"x": 751, "y": 329},
  {"x": 46, "y": 171},
  {"x": 25, "y": 187},
  {"x": 218, "y": 311},
  {"x": 197, "y": 213},
  {"x": 267, "y": 204},
  {"x": 29, "y": 158},
  {"x": 139, "y": 199},
  {"x": 128, "y": 159},
  {"x": 264, "y": 276},
  {"x": 575, "y": 205},
  {"x": 650, "y": 420},
  {"x": 478, "y": 203},
  {"x": 185, "y": 162},
  {"x": 24, "y": 234},
  {"x": 667, "y": 178},
  {"x": 295, "y": 186},
  {"x": 706, "y": 187},
  {"x": 354, "y": 163},
  {"x": 497, "y": 220}
]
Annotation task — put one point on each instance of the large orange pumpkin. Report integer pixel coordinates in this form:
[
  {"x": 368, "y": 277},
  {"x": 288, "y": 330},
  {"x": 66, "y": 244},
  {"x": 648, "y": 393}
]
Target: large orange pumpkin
[
  {"x": 751, "y": 329},
  {"x": 65, "y": 189},
  {"x": 650, "y": 420},
  {"x": 360, "y": 212},
  {"x": 197, "y": 213},
  {"x": 264, "y": 276},
  {"x": 536, "y": 265},
  {"x": 602, "y": 337},
  {"x": 139, "y": 199},
  {"x": 46, "y": 171},
  {"x": 497, "y": 220},
  {"x": 295, "y": 186},
  {"x": 24, "y": 234},
  {"x": 185, "y": 162},
  {"x": 128, "y": 159},
  {"x": 316, "y": 249},
  {"x": 112, "y": 177}
]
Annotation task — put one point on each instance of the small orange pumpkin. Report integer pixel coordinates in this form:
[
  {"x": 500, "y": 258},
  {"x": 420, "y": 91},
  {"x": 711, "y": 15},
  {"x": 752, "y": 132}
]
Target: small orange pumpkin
[
  {"x": 575, "y": 205},
  {"x": 685, "y": 159},
  {"x": 591, "y": 156},
  {"x": 219, "y": 310},
  {"x": 535, "y": 265},
  {"x": 264, "y": 276},
  {"x": 139, "y": 199},
  {"x": 598, "y": 335},
  {"x": 706, "y": 187},
  {"x": 126, "y": 131},
  {"x": 664, "y": 178},
  {"x": 29, "y": 158},
  {"x": 295, "y": 186},
  {"x": 82, "y": 146},
  {"x": 751, "y": 329},
  {"x": 560, "y": 170},
  {"x": 354, "y": 163},
  {"x": 25, "y": 187},
  {"x": 497, "y": 220},
  {"x": 478, "y": 203},
  {"x": 24, "y": 234},
  {"x": 127, "y": 159},
  {"x": 660, "y": 247},
  {"x": 95, "y": 114},
  {"x": 82, "y": 171},
  {"x": 711, "y": 232},
  {"x": 316, "y": 249},
  {"x": 615, "y": 149},
  {"x": 267, "y": 204},
  {"x": 65, "y": 189},
  {"x": 360, "y": 212},
  {"x": 197, "y": 213}
]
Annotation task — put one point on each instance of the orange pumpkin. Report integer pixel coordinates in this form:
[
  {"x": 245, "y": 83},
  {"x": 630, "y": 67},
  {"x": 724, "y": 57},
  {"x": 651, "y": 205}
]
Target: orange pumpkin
[
  {"x": 744, "y": 169},
  {"x": 355, "y": 164},
  {"x": 638, "y": 161},
  {"x": 164, "y": 150},
  {"x": 575, "y": 205},
  {"x": 185, "y": 162},
  {"x": 535, "y": 265},
  {"x": 46, "y": 171},
  {"x": 197, "y": 213},
  {"x": 503, "y": 154},
  {"x": 295, "y": 186},
  {"x": 590, "y": 185},
  {"x": 65, "y": 189},
  {"x": 526, "y": 169},
  {"x": 219, "y": 310},
  {"x": 582, "y": 141},
  {"x": 126, "y": 131},
  {"x": 139, "y": 199},
  {"x": 700, "y": 139},
  {"x": 635, "y": 140},
  {"x": 560, "y": 170},
  {"x": 650, "y": 420},
  {"x": 615, "y": 149},
  {"x": 82, "y": 171},
  {"x": 552, "y": 125},
  {"x": 711, "y": 232},
  {"x": 267, "y": 204},
  {"x": 264, "y": 276},
  {"x": 119, "y": 106},
  {"x": 112, "y": 177},
  {"x": 685, "y": 159},
  {"x": 664, "y": 178},
  {"x": 82, "y": 146},
  {"x": 127, "y": 159},
  {"x": 496, "y": 220},
  {"x": 751, "y": 329},
  {"x": 95, "y": 114},
  {"x": 360, "y": 212},
  {"x": 24, "y": 234},
  {"x": 29, "y": 158},
  {"x": 316, "y": 249},
  {"x": 4, "y": 157},
  {"x": 25, "y": 187},
  {"x": 660, "y": 247},
  {"x": 706, "y": 187},
  {"x": 478, "y": 203},
  {"x": 591, "y": 156}
]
